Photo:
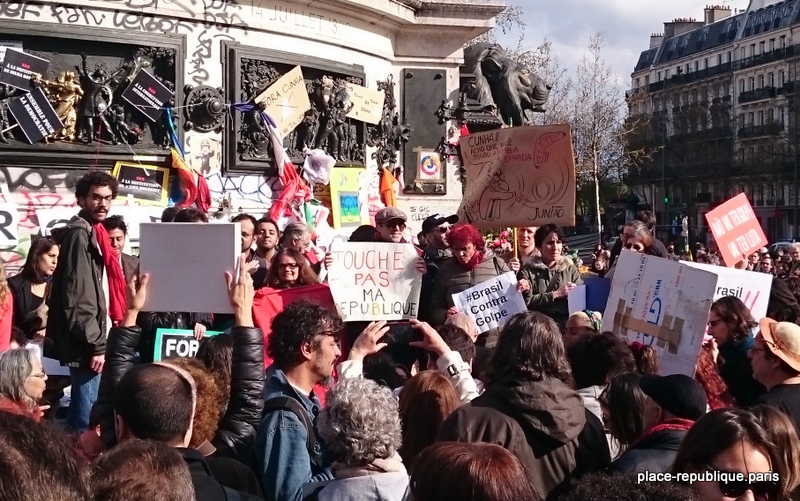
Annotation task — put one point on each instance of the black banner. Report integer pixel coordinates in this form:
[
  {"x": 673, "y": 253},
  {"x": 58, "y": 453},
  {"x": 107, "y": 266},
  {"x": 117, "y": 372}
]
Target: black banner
[
  {"x": 19, "y": 68},
  {"x": 148, "y": 95},
  {"x": 35, "y": 115},
  {"x": 141, "y": 182}
]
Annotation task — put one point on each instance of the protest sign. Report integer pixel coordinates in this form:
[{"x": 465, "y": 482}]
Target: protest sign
[
  {"x": 592, "y": 295},
  {"x": 491, "y": 303},
  {"x": 19, "y": 67},
  {"x": 35, "y": 115},
  {"x": 519, "y": 176},
  {"x": 367, "y": 104},
  {"x": 9, "y": 221},
  {"x": 752, "y": 287},
  {"x": 347, "y": 195},
  {"x": 187, "y": 265},
  {"x": 269, "y": 302},
  {"x": 147, "y": 184},
  {"x": 177, "y": 343},
  {"x": 147, "y": 95},
  {"x": 9, "y": 44},
  {"x": 663, "y": 304},
  {"x": 286, "y": 101},
  {"x": 375, "y": 281},
  {"x": 736, "y": 229}
]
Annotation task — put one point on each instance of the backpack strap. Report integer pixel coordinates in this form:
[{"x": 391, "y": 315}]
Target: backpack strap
[{"x": 290, "y": 404}]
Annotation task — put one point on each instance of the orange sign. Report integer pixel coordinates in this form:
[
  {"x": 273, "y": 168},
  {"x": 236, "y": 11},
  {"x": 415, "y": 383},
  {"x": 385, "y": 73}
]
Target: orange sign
[{"x": 736, "y": 229}]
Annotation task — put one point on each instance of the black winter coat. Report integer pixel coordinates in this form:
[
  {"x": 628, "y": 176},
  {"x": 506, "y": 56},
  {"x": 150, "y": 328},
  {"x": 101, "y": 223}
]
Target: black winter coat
[
  {"x": 655, "y": 453},
  {"x": 206, "y": 487},
  {"x": 76, "y": 324}
]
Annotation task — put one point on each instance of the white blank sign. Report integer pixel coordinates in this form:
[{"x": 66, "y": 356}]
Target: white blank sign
[{"x": 187, "y": 264}]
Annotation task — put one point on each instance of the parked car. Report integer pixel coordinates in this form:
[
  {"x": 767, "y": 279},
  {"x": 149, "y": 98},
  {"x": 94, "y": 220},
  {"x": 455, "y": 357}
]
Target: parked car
[{"x": 779, "y": 245}]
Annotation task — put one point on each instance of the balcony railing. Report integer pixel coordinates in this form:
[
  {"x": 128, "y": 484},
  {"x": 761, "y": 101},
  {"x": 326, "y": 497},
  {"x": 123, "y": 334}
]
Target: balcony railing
[
  {"x": 767, "y": 129},
  {"x": 766, "y": 57},
  {"x": 757, "y": 94}
]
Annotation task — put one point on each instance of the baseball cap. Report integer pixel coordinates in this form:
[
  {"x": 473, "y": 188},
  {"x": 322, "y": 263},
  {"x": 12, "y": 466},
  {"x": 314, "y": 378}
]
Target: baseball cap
[
  {"x": 388, "y": 213},
  {"x": 783, "y": 340},
  {"x": 435, "y": 220},
  {"x": 677, "y": 394}
]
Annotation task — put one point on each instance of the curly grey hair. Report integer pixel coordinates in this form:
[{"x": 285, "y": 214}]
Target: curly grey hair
[
  {"x": 15, "y": 369},
  {"x": 360, "y": 422}
]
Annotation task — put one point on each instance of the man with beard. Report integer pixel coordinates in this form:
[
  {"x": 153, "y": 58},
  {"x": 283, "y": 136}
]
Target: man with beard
[
  {"x": 434, "y": 231},
  {"x": 88, "y": 295},
  {"x": 267, "y": 236},
  {"x": 248, "y": 225},
  {"x": 118, "y": 234},
  {"x": 304, "y": 349}
]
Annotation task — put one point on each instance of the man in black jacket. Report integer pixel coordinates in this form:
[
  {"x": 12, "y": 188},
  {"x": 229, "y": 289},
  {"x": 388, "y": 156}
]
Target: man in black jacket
[
  {"x": 79, "y": 310},
  {"x": 673, "y": 404},
  {"x": 118, "y": 233},
  {"x": 434, "y": 229},
  {"x": 157, "y": 401}
]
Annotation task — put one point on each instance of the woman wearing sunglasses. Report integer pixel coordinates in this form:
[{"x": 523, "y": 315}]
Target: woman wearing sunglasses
[
  {"x": 724, "y": 443},
  {"x": 290, "y": 269},
  {"x": 635, "y": 237},
  {"x": 22, "y": 383}
]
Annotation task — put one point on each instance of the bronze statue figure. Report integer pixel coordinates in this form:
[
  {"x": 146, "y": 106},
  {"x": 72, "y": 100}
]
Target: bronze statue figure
[
  {"x": 64, "y": 94},
  {"x": 6, "y": 92},
  {"x": 96, "y": 98},
  {"x": 332, "y": 131},
  {"x": 504, "y": 83}
]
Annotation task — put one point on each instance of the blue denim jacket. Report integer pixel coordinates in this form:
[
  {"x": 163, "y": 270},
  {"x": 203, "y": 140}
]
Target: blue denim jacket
[{"x": 283, "y": 461}]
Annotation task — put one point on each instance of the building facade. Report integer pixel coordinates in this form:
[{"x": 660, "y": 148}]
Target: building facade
[
  {"x": 214, "y": 53},
  {"x": 712, "y": 101}
]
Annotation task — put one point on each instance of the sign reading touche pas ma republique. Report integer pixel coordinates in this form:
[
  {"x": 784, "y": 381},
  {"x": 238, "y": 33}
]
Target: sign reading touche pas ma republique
[
  {"x": 177, "y": 343},
  {"x": 375, "y": 281},
  {"x": 492, "y": 303}
]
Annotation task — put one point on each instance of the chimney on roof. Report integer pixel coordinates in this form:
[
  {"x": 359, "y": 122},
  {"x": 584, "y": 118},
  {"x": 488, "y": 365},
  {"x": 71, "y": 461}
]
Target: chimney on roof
[
  {"x": 680, "y": 26},
  {"x": 656, "y": 39},
  {"x": 714, "y": 13}
]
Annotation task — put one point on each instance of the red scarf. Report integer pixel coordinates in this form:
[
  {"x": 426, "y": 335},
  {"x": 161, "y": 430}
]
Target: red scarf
[
  {"x": 116, "y": 279},
  {"x": 473, "y": 263},
  {"x": 669, "y": 424}
]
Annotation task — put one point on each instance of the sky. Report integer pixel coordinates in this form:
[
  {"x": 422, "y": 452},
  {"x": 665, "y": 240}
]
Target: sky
[{"x": 627, "y": 25}]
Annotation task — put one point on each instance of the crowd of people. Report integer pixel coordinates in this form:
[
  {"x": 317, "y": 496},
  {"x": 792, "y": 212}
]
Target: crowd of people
[{"x": 546, "y": 407}]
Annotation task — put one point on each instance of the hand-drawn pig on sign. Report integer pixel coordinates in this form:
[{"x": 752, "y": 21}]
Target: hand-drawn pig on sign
[{"x": 500, "y": 81}]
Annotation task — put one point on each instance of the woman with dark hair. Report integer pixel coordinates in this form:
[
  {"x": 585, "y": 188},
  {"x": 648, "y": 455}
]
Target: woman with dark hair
[
  {"x": 425, "y": 402},
  {"x": 731, "y": 441},
  {"x": 623, "y": 404},
  {"x": 646, "y": 358},
  {"x": 29, "y": 287},
  {"x": 731, "y": 325},
  {"x": 470, "y": 472},
  {"x": 364, "y": 233},
  {"x": 472, "y": 264},
  {"x": 290, "y": 269},
  {"x": 781, "y": 431},
  {"x": 545, "y": 279},
  {"x": 216, "y": 354}
]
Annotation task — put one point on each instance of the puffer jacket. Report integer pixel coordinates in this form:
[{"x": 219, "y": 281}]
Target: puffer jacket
[
  {"x": 237, "y": 428},
  {"x": 543, "y": 423},
  {"x": 76, "y": 326},
  {"x": 453, "y": 278},
  {"x": 546, "y": 280}
]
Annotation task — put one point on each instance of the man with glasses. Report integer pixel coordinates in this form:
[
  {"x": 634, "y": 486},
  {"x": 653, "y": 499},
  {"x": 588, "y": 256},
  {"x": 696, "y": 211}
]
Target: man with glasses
[
  {"x": 434, "y": 229},
  {"x": 87, "y": 296}
]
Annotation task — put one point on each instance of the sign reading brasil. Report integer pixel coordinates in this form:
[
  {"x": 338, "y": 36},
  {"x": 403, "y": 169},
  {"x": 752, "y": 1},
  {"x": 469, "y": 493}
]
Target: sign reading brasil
[
  {"x": 491, "y": 303},
  {"x": 375, "y": 281},
  {"x": 177, "y": 343}
]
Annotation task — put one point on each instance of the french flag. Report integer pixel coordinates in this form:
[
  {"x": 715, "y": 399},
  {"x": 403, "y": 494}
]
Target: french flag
[{"x": 294, "y": 187}]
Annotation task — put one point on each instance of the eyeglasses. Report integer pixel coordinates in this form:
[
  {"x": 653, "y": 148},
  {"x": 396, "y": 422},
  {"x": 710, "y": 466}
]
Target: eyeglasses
[
  {"x": 636, "y": 247},
  {"x": 763, "y": 490},
  {"x": 394, "y": 224},
  {"x": 98, "y": 198},
  {"x": 288, "y": 266},
  {"x": 713, "y": 323},
  {"x": 442, "y": 229},
  {"x": 40, "y": 375}
]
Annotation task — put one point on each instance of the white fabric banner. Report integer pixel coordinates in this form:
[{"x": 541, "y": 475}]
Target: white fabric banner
[
  {"x": 375, "y": 281},
  {"x": 491, "y": 303},
  {"x": 752, "y": 287}
]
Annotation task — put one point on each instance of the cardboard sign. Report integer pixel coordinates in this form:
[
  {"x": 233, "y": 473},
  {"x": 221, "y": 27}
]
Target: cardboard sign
[
  {"x": 187, "y": 264},
  {"x": 592, "y": 295},
  {"x": 177, "y": 343},
  {"x": 35, "y": 115},
  {"x": 752, "y": 287},
  {"x": 20, "y": 67},
  {"x": 491, "y": 303},
  {"x": 9, "y": 223},
  {"x": 286, "y": 101},
  {"x": 736, "y": 229},
  {"x": 147, "y": 95},
  {"x": 519, "y": 176},
  {"x": 367, "y": 104},
  {"x": 347, "y": 196},
  {"x": 147, "y": 184},
  {"x": 663, "y": 304},
  {"x": 375, "y": 281}
]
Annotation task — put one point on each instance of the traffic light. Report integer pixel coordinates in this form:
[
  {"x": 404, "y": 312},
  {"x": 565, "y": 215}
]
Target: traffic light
[{"x": 666, "y": 200}]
